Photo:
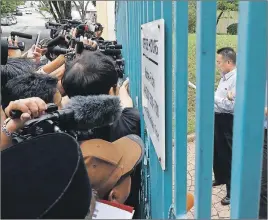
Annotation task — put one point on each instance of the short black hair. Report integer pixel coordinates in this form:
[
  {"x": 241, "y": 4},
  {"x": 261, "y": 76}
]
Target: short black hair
[
  {"x": 27, "y": 86},
  {"x": 15, "y": 67},
  {"x": 93, "y": 73},
  {"x": 227, "y": 53}
]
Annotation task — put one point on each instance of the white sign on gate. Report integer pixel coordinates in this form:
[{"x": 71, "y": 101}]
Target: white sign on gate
[{"x": 153, "y": 83}]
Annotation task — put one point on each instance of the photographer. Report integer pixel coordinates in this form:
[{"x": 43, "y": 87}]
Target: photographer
[
  {"x": 31, "y": 85},
  {"x": 94, "y": 73},
  {"x": 32, "y": 54},
  {"x": 30, "y": 107},
  {"x": 15, "y": 67}
]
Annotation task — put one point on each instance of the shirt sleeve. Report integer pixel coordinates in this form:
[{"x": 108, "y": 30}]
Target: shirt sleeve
[
  {"x": 128, "y": 123},
  {"x": 224, "y": 104}
]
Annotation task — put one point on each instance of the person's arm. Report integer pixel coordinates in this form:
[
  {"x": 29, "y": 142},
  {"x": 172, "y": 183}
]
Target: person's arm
[
  {"x": 125, "y": 99},
  {"x": 227, "y": 103},
  {"x": 224, "y": 104},
  {"x": 30, "y": 108}
]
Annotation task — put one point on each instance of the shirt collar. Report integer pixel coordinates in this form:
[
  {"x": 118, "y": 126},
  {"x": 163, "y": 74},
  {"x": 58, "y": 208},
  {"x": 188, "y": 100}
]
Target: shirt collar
[{"x": 228, "y": 75}]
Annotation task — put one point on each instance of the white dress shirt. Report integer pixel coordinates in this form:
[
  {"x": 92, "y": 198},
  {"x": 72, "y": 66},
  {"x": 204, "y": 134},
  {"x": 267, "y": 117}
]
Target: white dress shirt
[{"x": 227, "y": 83}]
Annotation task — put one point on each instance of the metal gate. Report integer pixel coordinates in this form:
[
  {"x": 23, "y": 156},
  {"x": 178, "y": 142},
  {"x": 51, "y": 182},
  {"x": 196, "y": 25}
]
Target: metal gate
[{"x": 164, "y": 192}]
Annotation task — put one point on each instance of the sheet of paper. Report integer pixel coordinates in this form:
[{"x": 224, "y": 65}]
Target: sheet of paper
[
  {"x": 104, "y": 211},
  {"x": 192, "y": 85}
]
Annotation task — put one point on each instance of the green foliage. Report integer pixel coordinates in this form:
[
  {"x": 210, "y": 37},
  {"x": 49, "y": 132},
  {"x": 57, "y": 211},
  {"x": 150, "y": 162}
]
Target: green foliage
[
  {"x": 232, "y": 29},
  {"x": 222, "y": 6},
  {"x": 8, "y": 6},
  {"x": 227, "y": 5},
  {"x": 222, "y": 41},
  {"x": 192, "y": 16}
]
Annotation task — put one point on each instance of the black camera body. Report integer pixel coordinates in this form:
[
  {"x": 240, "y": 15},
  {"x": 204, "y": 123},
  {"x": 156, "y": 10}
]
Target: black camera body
[
  {"x": 54, "y": 121},
  {"x": 4, "y": 51}
]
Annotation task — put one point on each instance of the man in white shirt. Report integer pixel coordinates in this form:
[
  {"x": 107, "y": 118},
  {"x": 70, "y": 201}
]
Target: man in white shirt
[{"x": 223, "y": 128}]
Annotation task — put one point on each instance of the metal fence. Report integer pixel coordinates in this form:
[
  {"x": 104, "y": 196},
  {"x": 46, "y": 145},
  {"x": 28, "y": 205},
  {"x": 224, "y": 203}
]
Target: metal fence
[{"x": 160, "y": 199}]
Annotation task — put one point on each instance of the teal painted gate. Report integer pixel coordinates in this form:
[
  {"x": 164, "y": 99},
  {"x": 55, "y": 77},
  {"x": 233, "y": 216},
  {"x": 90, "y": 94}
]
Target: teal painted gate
[{"x": 159, "y": 198}]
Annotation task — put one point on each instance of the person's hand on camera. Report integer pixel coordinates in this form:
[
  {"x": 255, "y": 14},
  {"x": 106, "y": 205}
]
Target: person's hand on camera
[
  {"x": 36, "y": 54},
  {"x": 91, "y": 43},
  {"x": 74, "y": 33},
  {"x": 30, "y": 107},
  {"x": 14, "y": 53}
]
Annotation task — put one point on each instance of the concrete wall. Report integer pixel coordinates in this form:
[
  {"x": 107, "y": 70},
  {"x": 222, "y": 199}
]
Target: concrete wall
[{"x": 105, "y": 16}]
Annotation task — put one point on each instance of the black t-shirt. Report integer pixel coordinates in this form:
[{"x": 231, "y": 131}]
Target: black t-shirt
[{"x": 128, "y": 123}]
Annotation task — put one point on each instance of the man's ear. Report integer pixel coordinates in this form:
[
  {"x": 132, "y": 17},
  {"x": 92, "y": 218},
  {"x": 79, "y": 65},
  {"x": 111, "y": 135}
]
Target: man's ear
[
  {"x": 112, "y": 196},
  {"x": 111, "y": 91},
  {"x": 114, "y": 91},
  {"x": 120, "y": 192}
]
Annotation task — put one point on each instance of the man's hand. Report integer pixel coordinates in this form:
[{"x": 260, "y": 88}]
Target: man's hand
[
  {"x": 37, "y": 54},
  {"x": 91, "y": 43},
  {"x": 30, "y": 108},
  {"x": 126, "y": 100},
  {"x": 230, "y": 95},
  {"x": 266, "y": 113}
]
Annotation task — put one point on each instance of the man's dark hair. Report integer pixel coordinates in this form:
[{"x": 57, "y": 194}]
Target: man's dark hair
[
  {"x": 15, "y": 67},
  {"x": 228, "y": 53},
  {"x": 93, "y": 73},
  {"x": 27, "y": 86}
]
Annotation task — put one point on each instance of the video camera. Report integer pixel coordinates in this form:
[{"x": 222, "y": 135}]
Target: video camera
[
  {"x": 5, "y": 47},
  {"x": 54, "y": 121},
  {"x": 82, "y": 117},
  {"x": 64, "y": 42}
]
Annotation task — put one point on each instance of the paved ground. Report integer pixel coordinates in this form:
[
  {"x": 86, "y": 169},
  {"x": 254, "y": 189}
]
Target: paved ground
[
  {"x": 217, "y": 210},
  {"x": 28, "y": 24}
]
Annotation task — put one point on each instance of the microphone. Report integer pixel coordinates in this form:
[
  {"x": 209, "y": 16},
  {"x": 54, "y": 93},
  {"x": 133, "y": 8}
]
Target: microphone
[
  {"x": 80, "y": 113},
  {"x": 55, "y": 41},
  {"x": 94, "y": 111},
  {"x": 22, "y": 35}
]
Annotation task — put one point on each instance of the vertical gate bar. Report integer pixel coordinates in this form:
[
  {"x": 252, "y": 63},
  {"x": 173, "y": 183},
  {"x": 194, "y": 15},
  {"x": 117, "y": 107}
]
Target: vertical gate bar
[
  {"x": 156, "y": 196},
  {"x": 126, "y": 56},
  {"x": 139, "y": 10},
  {"x": 249, "y": 109},
  {"x": 145, "y": 11},
  {"x": 140, "y": 72},
  {"x": 205, "y": 75},
  {"x": 157, "y": 9},
  {"x": 134, "y": 34},
  {"x": 181, "y": 106},
  {"x": 130, "y": 13},
  {"x": 167, "y": 174},
  {"x": 150, "y": 11}
]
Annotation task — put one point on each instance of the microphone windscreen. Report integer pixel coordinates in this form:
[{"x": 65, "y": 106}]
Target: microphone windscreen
[{"x": 94, "y": 111}]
